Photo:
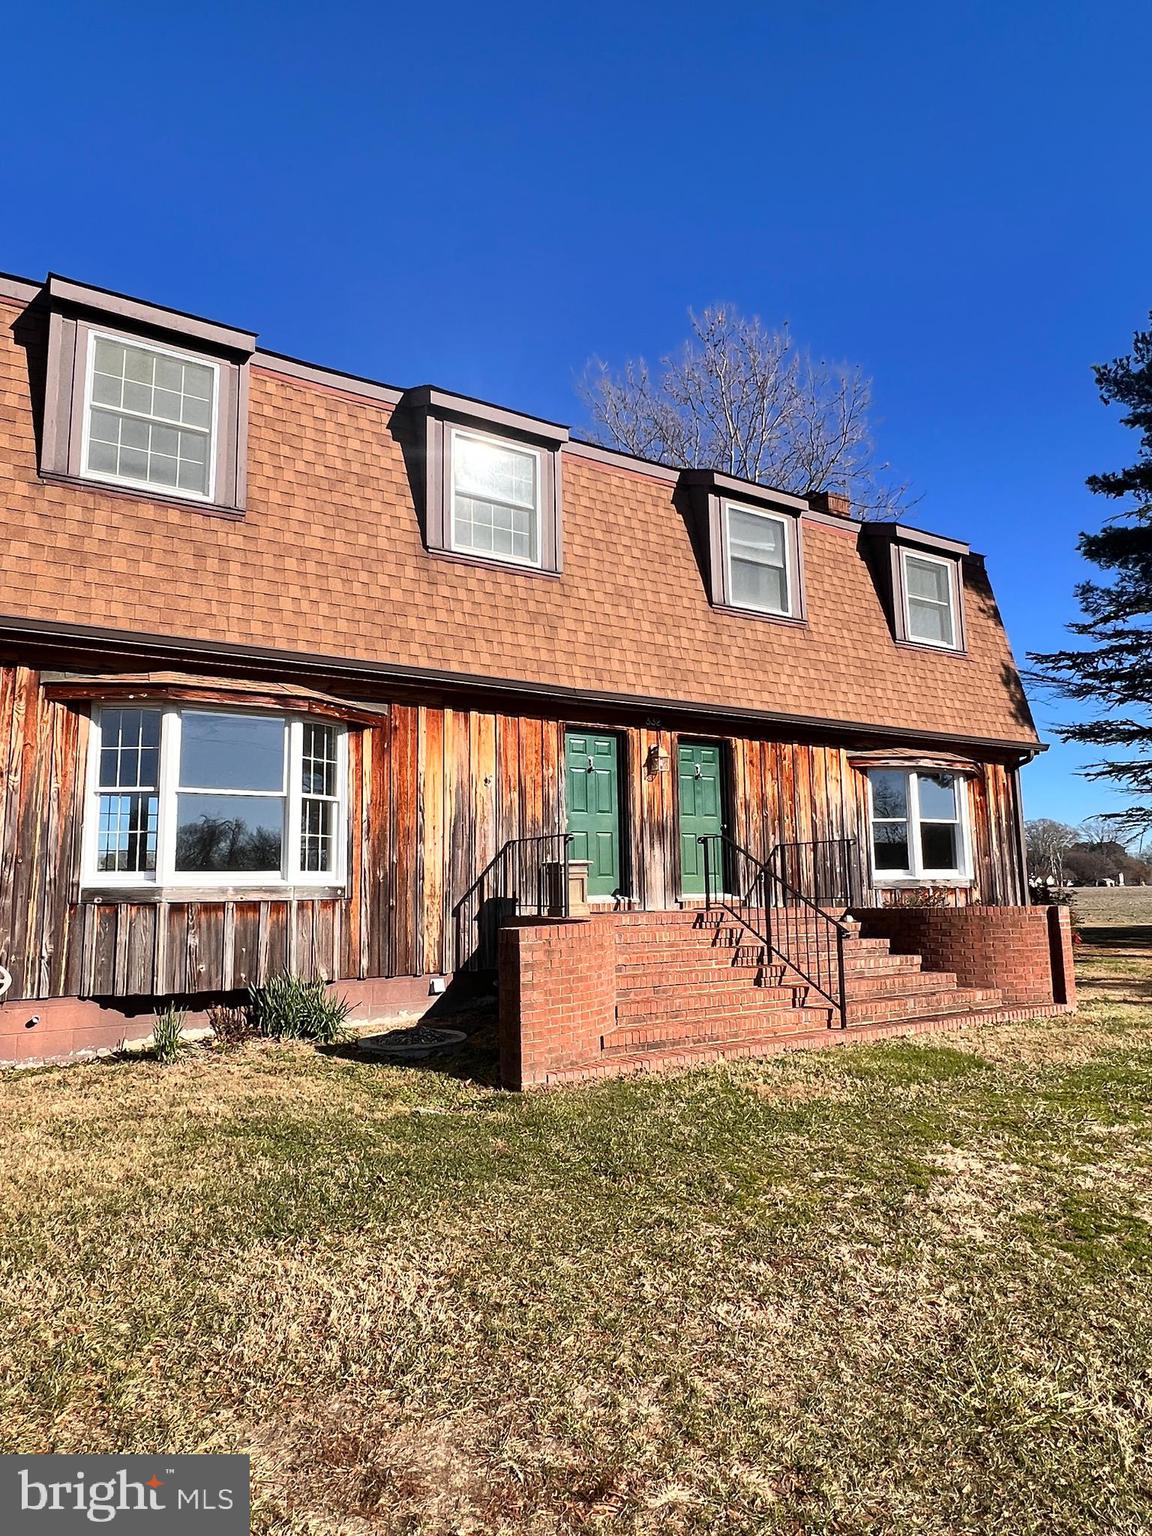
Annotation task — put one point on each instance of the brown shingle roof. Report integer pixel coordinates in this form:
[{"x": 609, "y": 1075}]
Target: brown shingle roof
[{"x": 328, "y": 561}]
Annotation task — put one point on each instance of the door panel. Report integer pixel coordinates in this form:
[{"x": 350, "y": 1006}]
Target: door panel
[
  {"x": 701, "y": 787},
  {"x": 593, "y": 783}
]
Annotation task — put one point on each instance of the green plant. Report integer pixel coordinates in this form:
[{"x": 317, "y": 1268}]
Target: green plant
[
  {"x": 168, "y": 1033},
  {"x": 290, "y": 1008},
  {"x": 232, "y": 1026}
]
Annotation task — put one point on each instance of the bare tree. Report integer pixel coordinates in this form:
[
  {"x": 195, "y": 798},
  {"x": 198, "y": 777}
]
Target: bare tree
[
  {"x": 742, "y": 399},
  {"x": 1107, "y": 829},
  {"x": 1047, "y": 842}
]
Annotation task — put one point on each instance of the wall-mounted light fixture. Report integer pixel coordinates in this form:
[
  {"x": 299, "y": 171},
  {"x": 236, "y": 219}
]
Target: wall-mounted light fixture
[{"x": 657, "y": 762}]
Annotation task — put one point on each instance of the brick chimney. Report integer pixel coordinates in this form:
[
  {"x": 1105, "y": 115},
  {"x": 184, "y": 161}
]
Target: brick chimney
[{"x": 831, "y": 502}]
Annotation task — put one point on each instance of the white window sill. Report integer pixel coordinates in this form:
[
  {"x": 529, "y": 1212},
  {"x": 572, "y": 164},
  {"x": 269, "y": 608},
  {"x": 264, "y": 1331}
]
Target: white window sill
[
  {"x": 108, "y": 895},
  {"x": 897, "y": 881}
]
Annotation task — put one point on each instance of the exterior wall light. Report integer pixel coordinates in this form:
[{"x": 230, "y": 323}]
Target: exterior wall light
[{"x": 657, "y": 762}]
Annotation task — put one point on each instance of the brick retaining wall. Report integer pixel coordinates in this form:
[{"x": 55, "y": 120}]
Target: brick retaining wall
[
  {"x": 1024, "y": 952},
  {"x": 557, "y": 997}
]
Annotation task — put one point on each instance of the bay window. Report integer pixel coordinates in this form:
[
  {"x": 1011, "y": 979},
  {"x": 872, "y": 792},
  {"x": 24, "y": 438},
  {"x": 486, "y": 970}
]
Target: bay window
[
  {"x": 919, "y": 825},
  {"x": 196, "y": 796}
]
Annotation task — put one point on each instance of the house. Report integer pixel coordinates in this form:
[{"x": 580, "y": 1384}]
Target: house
[{"x": 299, "y": 670}]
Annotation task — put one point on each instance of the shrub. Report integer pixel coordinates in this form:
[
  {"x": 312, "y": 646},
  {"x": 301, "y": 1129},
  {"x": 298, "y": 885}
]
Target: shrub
[
  {"x": 168, "y": 1034},
  {"x": 289, "y": 1008},
  {"x": 232, "y": 1026}
]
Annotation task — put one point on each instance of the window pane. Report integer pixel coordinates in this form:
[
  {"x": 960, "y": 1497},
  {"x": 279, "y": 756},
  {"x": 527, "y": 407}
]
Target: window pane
[
  {"x": 890, "y": 844},
  {"x": 927, "y": 578},
  {"x": 928, "y": 622},
  {"x": 929, "y": 584},
  {"x": 485, "y": 527},
  {"x": 756, "y": 538},
  {"x": 221, "y": 833},
  {"x": 492, "y": 471},
  {"x": 126, "y": 837},
  {"x": 889, "y": 793},
  {"x": 231, "y": 752},
  {"x": 319, "y": 759},
  {"x": 938, "y": 796},
  {"x": 155, "y": 390},
  {"x": 759, "y": 586},
  {"x": 939, "y": 848},
  {"x": 129, "y": 748},
  {"x": 316, "y": 842}
]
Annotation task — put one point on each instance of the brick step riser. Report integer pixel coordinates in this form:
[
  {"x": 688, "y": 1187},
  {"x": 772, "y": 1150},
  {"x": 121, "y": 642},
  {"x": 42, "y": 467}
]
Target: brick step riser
[
  {"x": 673, "y": 982},
  {"x": 710, "y": 964},
  {"x": 679, "y": 991},
  {"x": 737, "y": 1008},
  {"x": 673, "y": 1002},
  {"x": 926, "y": 1004},
  {"x": 734, "y": 1028},
  {"x": 726, "y": 943},
  {"x": 817, "y": 933}
]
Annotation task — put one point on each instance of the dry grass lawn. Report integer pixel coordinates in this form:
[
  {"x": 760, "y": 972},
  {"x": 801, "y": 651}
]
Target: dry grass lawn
[{"x": 896, "y": 1290}]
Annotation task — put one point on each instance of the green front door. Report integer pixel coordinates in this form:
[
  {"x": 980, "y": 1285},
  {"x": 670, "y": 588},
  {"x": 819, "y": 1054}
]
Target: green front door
[
  {"x": 701, "y": 812},
  {"x": 594, "y": 808}
]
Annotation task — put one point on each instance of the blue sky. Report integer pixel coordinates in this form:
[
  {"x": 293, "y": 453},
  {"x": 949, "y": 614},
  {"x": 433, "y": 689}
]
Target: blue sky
[{"x": 955, "y": 198}]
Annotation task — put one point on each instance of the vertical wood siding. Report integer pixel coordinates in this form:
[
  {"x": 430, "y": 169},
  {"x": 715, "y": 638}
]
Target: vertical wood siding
[{"x": 434, "y": 793}]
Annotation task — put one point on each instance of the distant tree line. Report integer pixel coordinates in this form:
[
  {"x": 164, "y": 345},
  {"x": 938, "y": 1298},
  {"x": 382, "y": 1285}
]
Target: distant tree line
[{"x": 1083, "y": 855}]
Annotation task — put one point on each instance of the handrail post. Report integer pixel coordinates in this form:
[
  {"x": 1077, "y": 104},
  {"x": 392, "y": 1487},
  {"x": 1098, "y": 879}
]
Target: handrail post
[
  {"x": 703, "y": 841},
  {"x": 841, "y": 992},
  {"x": 566, "y": 900}
]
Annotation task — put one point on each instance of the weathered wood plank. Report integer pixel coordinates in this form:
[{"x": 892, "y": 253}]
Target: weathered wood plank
[
  {"x": 246, "y": 943},
  {"x": 430, "y": 811},
  {"x": 405, "y": 843}
]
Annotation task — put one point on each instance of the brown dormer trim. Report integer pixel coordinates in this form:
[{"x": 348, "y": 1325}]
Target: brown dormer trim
[
  {"x": 888, "y": 543},
  {"x": 703, "y": 495},
  {"x": 75, "y": 314},
  {"x": 426, "y": 422},
  {"x": 63, "y": 292}
]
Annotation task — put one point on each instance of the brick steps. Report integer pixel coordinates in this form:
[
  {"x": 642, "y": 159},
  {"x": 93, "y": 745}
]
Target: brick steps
[
  {"x": 677, "y": 1056},
  {"x": 690, "y": 979}
]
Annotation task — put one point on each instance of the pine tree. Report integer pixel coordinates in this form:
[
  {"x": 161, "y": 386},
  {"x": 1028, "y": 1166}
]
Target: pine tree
[{"x": 1113, "y": 671}]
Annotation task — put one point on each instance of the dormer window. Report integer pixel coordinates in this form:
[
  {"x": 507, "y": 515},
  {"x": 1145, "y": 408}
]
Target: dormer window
[
  {"x": 749, "y": 544},
  {"x": 757, "y": 544},
  {"x": 486, "y": 480},
  {"x": 920, "y": 580},
  {"x": 145, "y": 401},
  {"x": 495, "y": 498},
  {"x": 149, "y": 417},
  {"x": 930, "y": 614}
]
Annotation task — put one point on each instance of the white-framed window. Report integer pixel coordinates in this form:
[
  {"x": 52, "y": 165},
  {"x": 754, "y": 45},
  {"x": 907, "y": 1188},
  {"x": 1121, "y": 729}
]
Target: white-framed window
[
  {"x": 758, "y": 557},
  {"x": 150, "y": 417},
  {"x": 931, "y": 614},
  {"x": 919, "y": 825},
  {"x": 194, "y": 796},
  {"x": 495, "y": 498}
]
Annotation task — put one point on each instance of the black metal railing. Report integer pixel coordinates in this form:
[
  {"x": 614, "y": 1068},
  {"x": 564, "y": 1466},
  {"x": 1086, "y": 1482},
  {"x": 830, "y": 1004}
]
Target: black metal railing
[
  {"x": 528, "y": 878},
  {"x": 827, "y": 870},
  {"x": 789, "y": 923}
]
